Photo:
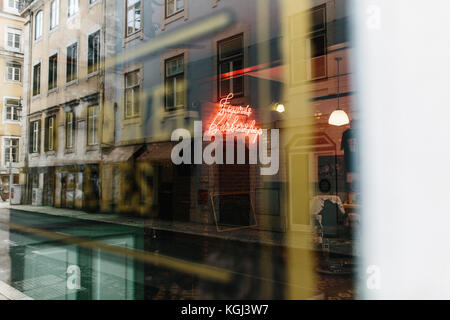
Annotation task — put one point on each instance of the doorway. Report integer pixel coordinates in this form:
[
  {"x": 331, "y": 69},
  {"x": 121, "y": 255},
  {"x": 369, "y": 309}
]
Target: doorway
[{"x": 174, "y": 192}]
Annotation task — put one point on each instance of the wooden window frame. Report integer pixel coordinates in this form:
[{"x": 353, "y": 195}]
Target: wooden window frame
[
  {"x": 174, "y": 76},
  {"x": 134, "y": 114}
]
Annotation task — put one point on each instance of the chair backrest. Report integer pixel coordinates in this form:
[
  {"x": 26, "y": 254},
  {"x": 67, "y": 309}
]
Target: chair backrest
[{"x": 330, "y": 214}]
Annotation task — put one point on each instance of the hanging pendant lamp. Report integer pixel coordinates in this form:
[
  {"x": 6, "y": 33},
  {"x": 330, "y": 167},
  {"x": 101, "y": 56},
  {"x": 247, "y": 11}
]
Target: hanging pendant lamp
[{"x": 338, "y": 117}]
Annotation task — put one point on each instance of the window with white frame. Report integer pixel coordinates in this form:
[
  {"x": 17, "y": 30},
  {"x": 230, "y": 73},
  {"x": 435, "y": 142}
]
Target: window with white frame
[
  {"x": 35, "y": 136},
  {"x": 92, "y": 125},
  {"x": 92, "y": 1},
  {"x": 14, "y": 39},
  {"x": 173, "y": 7},
  {"x": 37, "y": 79},
  {"x": 230, "y": 64},
  {"x": 54, "y": 14},
  {"x": 50, "y": 133},
  {"x": 308, "y": 51},
  {"x": 174, "y": 83},
  {"x": 70, "y": 132},
  {"x": 13, "y": 71},
  {"x": 12, "y": 5},
  {"x": 132, "y": 93},
  {"x": 11, "y": 150},
  {"x": 316, "y": 44},
  {"x": 12, "y": 109},
  {"x": 53, "y": 71},
  {"x": 72, "y": 7},
  {"x": 94, "y": 52},
  {"x": 38, "y": 21},
  {"x": 72, "y": 62},
  {"x": 133, "y": 16}
]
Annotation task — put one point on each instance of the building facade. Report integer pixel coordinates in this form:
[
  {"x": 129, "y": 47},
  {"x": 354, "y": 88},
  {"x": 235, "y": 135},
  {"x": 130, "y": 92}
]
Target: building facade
[
  {"x": 11, "y": 75},
  {"x": 62, "y": 101},
  {"x": 165, "y": 77},
  {"x": 126, "y": 104},
  {"x": 109, "y": 83}
]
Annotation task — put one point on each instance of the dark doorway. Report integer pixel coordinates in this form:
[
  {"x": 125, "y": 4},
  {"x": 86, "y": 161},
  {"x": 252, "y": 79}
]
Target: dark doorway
[
  {"x": 68, "y": 186},
  {"x": 49, "y": 187},
  {"x": 91, "y": 188},
  {"x": 233, "y": 206},
  {"x": 174, "y": 192}
]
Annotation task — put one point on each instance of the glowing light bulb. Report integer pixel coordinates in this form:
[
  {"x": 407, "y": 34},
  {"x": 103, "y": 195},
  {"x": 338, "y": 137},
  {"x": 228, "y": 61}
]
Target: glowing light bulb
[
  {"x": 280, "y": 108},
  {"x": 338, "y": 118}
]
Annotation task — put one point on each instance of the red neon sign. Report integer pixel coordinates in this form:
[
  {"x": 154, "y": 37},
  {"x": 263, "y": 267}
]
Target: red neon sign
[{"x": 233, "y": 119}]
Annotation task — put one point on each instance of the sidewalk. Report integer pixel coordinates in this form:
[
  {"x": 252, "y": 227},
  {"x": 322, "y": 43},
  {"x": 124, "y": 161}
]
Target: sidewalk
[
  {"x": 9, "y": 293},
  {"x": 245, "y": 234},
  {"x": 296, "y": 240}
]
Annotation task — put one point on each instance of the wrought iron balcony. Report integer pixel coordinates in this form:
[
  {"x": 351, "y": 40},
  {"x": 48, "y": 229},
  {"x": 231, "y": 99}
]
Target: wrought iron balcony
[{"x": 23, "y": 4}]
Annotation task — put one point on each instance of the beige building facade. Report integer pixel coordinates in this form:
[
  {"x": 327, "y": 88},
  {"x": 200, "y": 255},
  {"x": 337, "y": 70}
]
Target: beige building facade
[
  {"x": 62, "y": 100},
  {"x": 11, "y": 77}
]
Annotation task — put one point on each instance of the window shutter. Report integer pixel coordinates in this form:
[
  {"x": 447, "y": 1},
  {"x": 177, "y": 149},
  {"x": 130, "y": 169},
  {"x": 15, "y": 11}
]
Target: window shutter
[
  {"x": 46, "y": 134},
  {"x": 30, "y": 138},
  {"x": 55, "y": 128},
  {"x": 39, "y": 137},
  {"x": 73, "y": 129}
]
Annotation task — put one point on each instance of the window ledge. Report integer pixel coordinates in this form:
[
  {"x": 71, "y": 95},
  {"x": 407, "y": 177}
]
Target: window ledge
[
  {"x": 12, "y": 49},
  {"x": 54, "y": 29},
  {"x": 132, "y": 120},
  {"x": 69, "y": 151},
  {"x": 10, "y": 10},
  {"x": 14, "y": 81},
  {"x": 11, "y": 121},
  {"x": 94, "y": 4},
  {"x": 94, "y": 147},
  {"x": 133, "y": 36},
  {"x": 35, "y": 155},
  {"x": 73, "y": 82},
  {"x": 175, "y": 17},
  {"x": 50, "y": 153},
  {"x": 180, "y": 113},
  {"x": 69, "y": 19},
  {"x": 92, "y": 74},
  {"x": 14, "y": 165},
  {"x": 52, "y": 91},
  {"x": 38, "y": 96}
]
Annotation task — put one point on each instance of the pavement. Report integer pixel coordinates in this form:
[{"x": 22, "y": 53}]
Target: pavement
[
  {"x": 300, "y": 240},
  {"x": 9, "y": 293},
  {"x": 6, "y": 291},
  {"x": 289, "y": 239}
]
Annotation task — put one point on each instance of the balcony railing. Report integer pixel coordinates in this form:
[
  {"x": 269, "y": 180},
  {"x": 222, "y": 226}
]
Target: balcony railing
[{"x": 23, "y": 4}]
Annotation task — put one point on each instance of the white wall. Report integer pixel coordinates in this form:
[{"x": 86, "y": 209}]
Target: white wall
[{"x": 401, "y": 56}]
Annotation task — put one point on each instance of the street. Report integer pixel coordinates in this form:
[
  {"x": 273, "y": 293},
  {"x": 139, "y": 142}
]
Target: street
[{"x": 55, "y": 257}]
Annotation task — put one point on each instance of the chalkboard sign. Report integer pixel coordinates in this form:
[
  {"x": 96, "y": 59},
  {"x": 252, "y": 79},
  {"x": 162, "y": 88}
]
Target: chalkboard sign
[{"x": 233, "y": 211}]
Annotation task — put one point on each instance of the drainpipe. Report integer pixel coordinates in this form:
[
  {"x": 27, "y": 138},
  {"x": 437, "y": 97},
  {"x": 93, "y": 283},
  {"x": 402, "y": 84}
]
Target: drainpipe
[
  {"x": 11, "y": 178},
  {"x": 103, "y": 79},
  {"x": 28, "y": 99}
]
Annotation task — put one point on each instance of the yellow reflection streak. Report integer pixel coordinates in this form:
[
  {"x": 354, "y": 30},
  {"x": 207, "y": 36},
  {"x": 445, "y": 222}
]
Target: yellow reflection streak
[
  {"x": 300, "y": 263},
  {"x": 203, "y": 271},
  {"x": 201, "y": 28},
  {"x": 173, "y": 39}
]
